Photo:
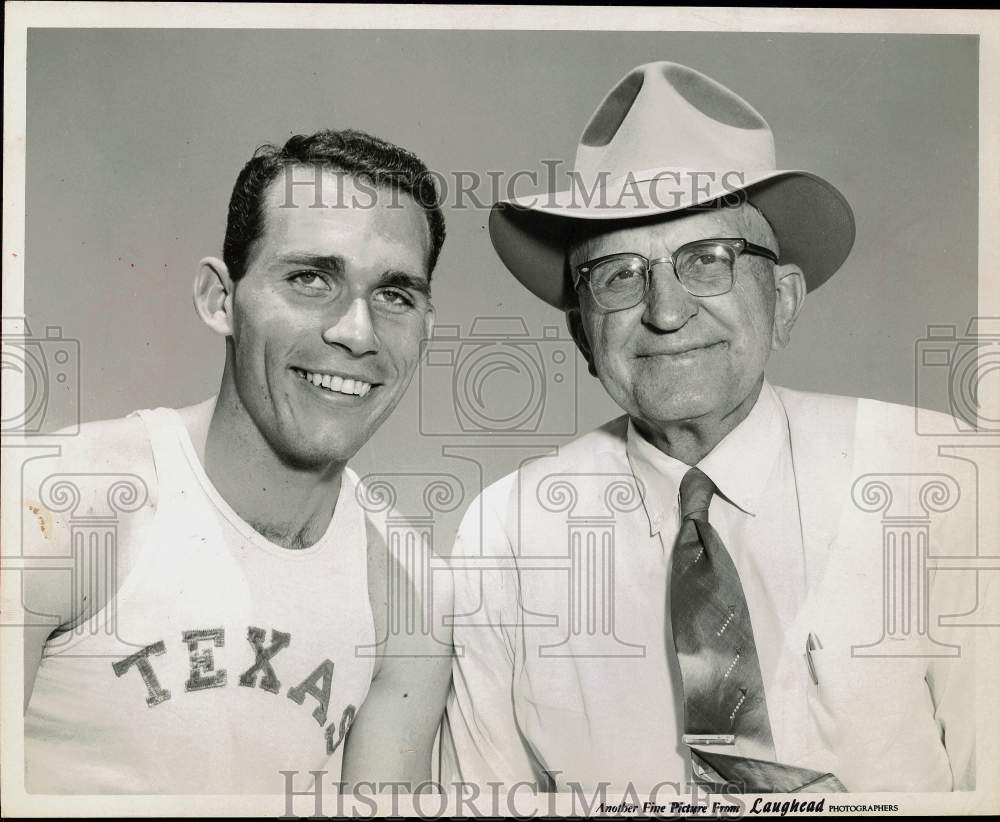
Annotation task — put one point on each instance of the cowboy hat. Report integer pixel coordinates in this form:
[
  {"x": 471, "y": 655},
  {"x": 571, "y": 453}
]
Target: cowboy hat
[{"x": 667, "y": 138}]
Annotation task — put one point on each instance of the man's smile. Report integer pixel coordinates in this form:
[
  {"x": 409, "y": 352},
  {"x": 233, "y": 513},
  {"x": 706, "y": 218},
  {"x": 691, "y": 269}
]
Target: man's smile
[
  {"x": 682, "y": 350},
  {"x": 331, "y": 383}
]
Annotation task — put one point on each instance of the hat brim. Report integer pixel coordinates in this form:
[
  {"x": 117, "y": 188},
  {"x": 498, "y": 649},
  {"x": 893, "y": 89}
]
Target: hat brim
[{"x": 812, "y": 220}]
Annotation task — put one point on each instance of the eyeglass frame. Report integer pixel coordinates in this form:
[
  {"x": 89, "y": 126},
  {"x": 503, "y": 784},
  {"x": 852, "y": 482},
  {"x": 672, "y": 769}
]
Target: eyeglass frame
[{"x": 739, "y": 245}]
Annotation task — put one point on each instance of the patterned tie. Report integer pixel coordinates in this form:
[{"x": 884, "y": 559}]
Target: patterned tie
[{"x": 724, "y": 699}]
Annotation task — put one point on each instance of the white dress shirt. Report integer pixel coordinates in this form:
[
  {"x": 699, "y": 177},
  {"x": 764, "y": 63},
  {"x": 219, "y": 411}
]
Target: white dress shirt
[
  {"x": 566, "y": 672},
  {"x": 528, "y": 703}
]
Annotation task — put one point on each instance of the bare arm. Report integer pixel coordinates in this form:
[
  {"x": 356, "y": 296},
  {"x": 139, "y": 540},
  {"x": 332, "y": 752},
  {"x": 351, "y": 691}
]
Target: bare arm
[
  {"x": 393, "y": 737},
  {"x": 46, "y": 601},
  {"x": 46, "y": 593}
]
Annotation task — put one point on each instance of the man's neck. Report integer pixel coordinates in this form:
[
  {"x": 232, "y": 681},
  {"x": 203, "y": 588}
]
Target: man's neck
[
  {"x": 290, "y": 506},
  {"x": 690, "y": 441}
]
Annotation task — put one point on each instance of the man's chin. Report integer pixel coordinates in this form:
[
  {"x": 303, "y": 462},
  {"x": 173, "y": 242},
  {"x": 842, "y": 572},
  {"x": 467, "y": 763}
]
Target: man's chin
[
  {"x": 318, "y": 455},
  {"x": 670, "y": 410}
]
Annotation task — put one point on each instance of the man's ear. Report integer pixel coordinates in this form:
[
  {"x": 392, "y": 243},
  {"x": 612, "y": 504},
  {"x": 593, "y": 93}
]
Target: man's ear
[
  {"x": 574, "y": 321},
  {"x": 213, "y": 295},
  {"x": 789, "y": 296}
]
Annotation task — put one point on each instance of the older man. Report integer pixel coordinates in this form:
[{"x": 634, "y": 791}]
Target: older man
[{"x": 690, "y": 592}]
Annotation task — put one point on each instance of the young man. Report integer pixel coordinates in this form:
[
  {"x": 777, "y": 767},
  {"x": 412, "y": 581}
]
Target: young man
[{"x": 250, "y": 591}]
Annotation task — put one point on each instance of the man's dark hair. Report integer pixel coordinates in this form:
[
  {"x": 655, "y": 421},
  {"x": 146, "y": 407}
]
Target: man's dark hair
[{"x": 378, "y": 162}]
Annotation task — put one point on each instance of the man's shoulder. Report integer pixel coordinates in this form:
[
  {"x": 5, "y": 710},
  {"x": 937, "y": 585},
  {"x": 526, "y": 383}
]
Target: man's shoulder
[
  {"x": 797, "y": 400},
  {"x": 103, "y": 448},
  {"x": 868, "y": 420},
  {"x": 122, "y": 444},
  {"x": 837, "y": 442},
  {"x": 112, "y": 446},
  {"x": 121, "y": 438}
]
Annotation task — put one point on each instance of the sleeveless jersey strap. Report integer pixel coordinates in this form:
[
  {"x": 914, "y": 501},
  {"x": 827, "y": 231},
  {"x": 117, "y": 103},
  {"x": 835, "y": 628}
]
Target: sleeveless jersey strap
[{"x": 169, "y": 461}]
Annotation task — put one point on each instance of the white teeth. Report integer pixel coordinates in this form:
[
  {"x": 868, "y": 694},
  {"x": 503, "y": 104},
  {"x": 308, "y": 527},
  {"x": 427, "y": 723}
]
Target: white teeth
[{"x": 341, "y": 385}]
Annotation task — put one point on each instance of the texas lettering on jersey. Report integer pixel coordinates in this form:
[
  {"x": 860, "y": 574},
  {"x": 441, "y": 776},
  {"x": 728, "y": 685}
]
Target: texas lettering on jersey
[{"x": 317, "y": 684}]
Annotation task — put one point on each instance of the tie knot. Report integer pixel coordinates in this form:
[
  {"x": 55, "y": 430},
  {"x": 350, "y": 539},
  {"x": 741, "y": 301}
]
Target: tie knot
[{"x": 696, "y": 495}]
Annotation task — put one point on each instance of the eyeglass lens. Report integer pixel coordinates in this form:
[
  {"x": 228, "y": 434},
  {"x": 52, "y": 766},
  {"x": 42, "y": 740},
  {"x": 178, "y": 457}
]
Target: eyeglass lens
[{"x": 704, "y": 269}]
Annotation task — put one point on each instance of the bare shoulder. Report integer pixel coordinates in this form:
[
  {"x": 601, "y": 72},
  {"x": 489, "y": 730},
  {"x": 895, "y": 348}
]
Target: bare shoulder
[
  {"x": 104, "y": 451},
  {"x": 83, "y": 464},
  {"x": 112, "y": 446}
]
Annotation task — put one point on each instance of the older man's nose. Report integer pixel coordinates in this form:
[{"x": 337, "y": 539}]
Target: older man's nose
[{"x": 668, "y": 304}]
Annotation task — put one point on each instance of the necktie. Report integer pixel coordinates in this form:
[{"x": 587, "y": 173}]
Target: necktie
[{"x": 724, "y": 700}]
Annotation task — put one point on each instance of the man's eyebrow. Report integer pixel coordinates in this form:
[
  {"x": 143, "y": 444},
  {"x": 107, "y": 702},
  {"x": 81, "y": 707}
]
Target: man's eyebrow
[
  {"x": 326, "y": 262},
  {"x": 402, "y": 279}
]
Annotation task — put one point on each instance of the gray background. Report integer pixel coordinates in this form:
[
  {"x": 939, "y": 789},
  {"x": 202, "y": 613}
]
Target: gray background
[{"x": 136, "y": 136}]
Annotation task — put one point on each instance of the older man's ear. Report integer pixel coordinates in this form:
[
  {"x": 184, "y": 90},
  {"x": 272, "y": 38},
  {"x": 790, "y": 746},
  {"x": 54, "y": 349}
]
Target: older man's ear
[
  {"x": 789, "y": 295},
  {"x": 574, "y": 321}
]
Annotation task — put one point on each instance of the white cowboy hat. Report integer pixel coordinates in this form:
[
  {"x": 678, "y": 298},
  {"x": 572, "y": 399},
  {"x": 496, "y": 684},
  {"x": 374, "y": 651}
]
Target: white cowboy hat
[{"x": 668, "y": 138}]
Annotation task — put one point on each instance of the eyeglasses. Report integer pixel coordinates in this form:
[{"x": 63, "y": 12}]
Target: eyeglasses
[{"x": 704, "y": 268}]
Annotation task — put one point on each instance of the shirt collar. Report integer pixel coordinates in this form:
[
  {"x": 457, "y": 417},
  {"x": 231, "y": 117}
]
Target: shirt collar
[{"x": 740, "y": 465}]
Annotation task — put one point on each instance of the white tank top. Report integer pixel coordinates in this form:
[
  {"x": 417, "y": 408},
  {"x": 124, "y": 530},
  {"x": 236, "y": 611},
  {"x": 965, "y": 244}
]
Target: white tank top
[{"x": 223, "y": 660}]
